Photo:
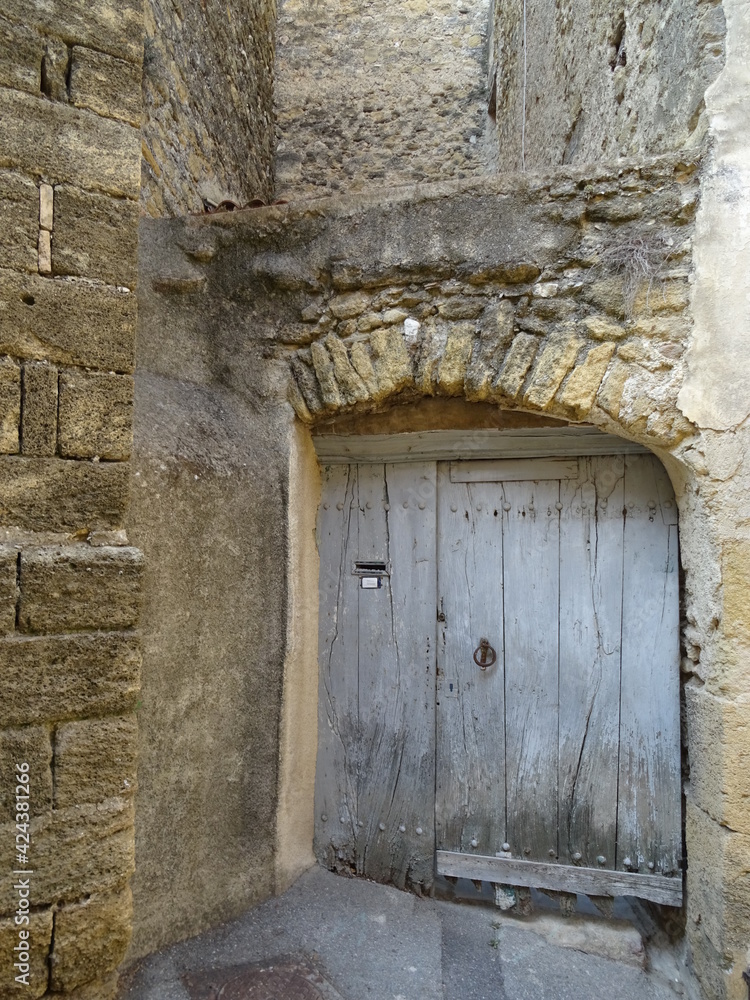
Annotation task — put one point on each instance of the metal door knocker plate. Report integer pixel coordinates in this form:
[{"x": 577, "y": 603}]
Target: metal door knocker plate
[{"x": 481, "y": 653}]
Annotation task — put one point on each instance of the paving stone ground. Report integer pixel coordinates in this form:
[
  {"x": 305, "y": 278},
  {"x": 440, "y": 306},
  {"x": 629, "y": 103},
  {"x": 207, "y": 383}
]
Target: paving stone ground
[{"x": 333, "y": 938}]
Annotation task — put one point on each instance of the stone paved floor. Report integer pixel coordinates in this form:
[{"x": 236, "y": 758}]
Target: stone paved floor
[{"x": 332, "y": 938}]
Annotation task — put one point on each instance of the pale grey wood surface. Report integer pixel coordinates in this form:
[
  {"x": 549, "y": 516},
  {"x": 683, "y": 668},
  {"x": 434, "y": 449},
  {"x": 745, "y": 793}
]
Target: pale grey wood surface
[
  {"x": 649, "y": 809},
  {"x": 591, "y": 542},
  {"x": 564, "y": 878},
  {"x": 424, "y": 446},
  {"x": 567, "y": 748},
  {"x": 397, "y": 676},
  {"x": 514, "y": 470},
  {"x": 338, "y": 743},
  {"x": 470, "y": 779},
  {"x": 531, "y": 528}
]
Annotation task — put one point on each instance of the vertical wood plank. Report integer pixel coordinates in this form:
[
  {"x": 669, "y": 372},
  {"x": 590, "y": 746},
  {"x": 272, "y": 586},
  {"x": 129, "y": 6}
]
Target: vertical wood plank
[
  {"x": 470, "y": 778},
  {"x": 397, "y": 676},
  {"x": 337, "y": 767},
  {"x": 531, "y": 537},
  {"x": 649, "y": 822},
  {"x": 591, "y": 542}
]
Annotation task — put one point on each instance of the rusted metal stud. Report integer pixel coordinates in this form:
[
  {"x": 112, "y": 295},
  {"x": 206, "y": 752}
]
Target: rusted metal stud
[
  {"x": 601, "y": 860},
  {"x": 324, "y": 817},
  {"x": 577, "y": 856},
  {"x": 325, "y": 506},
  {"x": 339, "y": 506},
  {"x": 506, "y": 847},
  {"x": 381, "y": 826},
  {"x": 552, "y": 852},
  {"x": 419, "y": 831},
  {"x": 474, "y": 842}
]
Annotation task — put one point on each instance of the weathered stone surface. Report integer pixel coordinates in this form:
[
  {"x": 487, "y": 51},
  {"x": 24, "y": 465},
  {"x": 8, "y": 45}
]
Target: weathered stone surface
[
  {"x": 10, "y": 406},
  {"x": 95, "y": 415},
  {"x": 73, "y": 675},
  {"x": 609, "y": 396},
  {"x": 40, "y": 935},
  {"x": 78, "y": 587},
  {"x": 363, "y": 365},
  {"x": 392, "y": 364},
  {"x": 91, "y": 939},
  {"x": 557, "y": 358},
  {"x": 66, "y": 321},
  {"x": 19, "y": 206},
  {"x": 347, "y": 306},
  {"x": 44, "y": 252},
  {"x": 30, "y": 745},
  {"x": 208, "y": 124},
  {"x": 21, "y": 50},
  {"x": 100, "y": 24},
  {"x": 97, "y": 989},
  {"x": 719, "y": 776},
  {"x": 64, "y": 144},
  {"x": 602, "y": 328},
  {"x": 455, "y": 361},
  {"x": 95, "y": 236},
  {"x": 46, "y": 206},
  {"x": 520, "y": 358},
  {"x": 8, "y": 565},
  {"x": 105, "y": 84},
  {"x": 51, "y": 494},
  {"x": 77, "y": 852},
  {"x": 95, "y": 760},
  {"x": 581, "y": 388},
  {"x": 55, "y": 63},
  {"x": 39, "y": 424},
  {"x": 326, "y": 377},
  {"x": 348, "y": 379}
]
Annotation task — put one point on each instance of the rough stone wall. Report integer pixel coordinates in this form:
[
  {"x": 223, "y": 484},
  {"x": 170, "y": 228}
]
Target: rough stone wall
[
  {"x": 586, "y": 81},
  {"x": 69, "y": 655},
  {"x": 207, "y": 103},
  {"x": 379, "y": 93}
]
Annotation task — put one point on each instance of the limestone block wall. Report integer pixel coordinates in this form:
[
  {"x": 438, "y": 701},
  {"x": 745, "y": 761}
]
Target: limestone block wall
[
  {"x": 585, "y": 81},
  {"x": 207, "y": 103},
  {"x": 69, "y": 597},
  {"x": 380, "y": 93}
]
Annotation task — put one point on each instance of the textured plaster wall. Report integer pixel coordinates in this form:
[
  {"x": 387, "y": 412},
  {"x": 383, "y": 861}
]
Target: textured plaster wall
[
  {"x": 207, "y": 103},
  {"x": 586, "y": 81},
  {"x": 209, "y": 510}
]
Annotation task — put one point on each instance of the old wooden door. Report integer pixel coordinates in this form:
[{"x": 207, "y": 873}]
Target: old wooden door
[{"x": 555, "y": 762}]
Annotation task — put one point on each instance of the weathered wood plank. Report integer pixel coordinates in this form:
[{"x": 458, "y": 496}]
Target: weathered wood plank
[
  {"x": 397, "y": 676},
  {"x": 565, "y": 878},
  {"x": 531, "y": 535},
  {"x": 445, "y": 445},
  {"x": 337, "y": 763},
  {"x": 649, "y": 813},
  {"x": 591, "y": 530},
  {"x": 470, "y": 780},
  {"x": 514, "y": 470}
]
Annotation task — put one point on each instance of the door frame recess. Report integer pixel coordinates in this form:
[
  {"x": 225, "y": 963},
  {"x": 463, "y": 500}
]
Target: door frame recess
[{"x": 578, "y": 441}]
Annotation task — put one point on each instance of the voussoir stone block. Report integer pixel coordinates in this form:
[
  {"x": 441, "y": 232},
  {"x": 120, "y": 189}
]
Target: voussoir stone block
[
  {"x": 95, "y": 759},
  {"x": 77, "y": 587},
  {"x": 91, "y": 939},
  {"x": 39, "y": 929},
  {"x": 556, "y": 360},
  {"x": 349, "y": 381},
  {"x": 517, "y": 364},
  {"x": 455, "y": 361},
  {"x": 92, "y": 673},
  {"x": 95, "y": 415},
  {"x": 393, "y": 369},
  {"x": 579, "y": 392},
  {"x": 323, "y": 366}
]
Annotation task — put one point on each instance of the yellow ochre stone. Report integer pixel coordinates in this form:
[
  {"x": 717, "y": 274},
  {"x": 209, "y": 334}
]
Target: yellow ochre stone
[
  {"x": 520, "y": 357},
  {"x": 580, "y": 390},
  {"x": 349, "y": 380},
  {"x": 557, "y": 358},
  {"x": 363, "y": 366},
  {"x": 455, "y": 360},
  {"x": 393, "y": 368},
  {"x": 324, "y": 370}
]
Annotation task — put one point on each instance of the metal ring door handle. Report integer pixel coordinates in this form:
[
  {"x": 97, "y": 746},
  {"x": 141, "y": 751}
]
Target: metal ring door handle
[{"x": 481, "y": 653}]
